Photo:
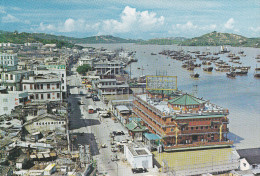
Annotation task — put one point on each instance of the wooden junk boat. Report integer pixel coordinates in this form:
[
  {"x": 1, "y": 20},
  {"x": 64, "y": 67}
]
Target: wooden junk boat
[
  {"x": 196, "y": 75},
  {"x": 231, "y": 75},
  {"x": 208, "y": 69}
]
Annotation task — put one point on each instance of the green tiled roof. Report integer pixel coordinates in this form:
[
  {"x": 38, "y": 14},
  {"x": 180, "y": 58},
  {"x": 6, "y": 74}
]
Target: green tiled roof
[
  {"x": 135, "y": 126},
  {"x": 187, "y": 99}
]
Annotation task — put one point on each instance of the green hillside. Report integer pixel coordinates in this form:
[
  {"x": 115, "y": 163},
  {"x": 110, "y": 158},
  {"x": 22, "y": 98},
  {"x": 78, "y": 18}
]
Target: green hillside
[
  {"x": 217, "y": 39},
  {"x": 164, "y": 41},
  {"x": 20, "y": 38},
  {"x": 105, "y": 39}
]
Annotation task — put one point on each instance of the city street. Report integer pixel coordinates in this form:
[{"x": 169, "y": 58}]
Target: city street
[{"x": 93, "y": 132}]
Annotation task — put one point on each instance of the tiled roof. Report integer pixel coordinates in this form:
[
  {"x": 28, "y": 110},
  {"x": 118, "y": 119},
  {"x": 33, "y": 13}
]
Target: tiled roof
[
  {"x": 135, "y": 126},
  {"x": 186, "y": 99}
]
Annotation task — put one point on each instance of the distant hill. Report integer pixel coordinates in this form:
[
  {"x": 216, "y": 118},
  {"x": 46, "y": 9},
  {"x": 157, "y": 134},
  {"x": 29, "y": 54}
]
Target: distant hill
[
  {"x": 23, "y": 37},
  {"x": 217, "y": 39},
  {"x": 164, "y": 41},
  {"x": 105, "y": 39},
  {"x": 210, "y": 39}
]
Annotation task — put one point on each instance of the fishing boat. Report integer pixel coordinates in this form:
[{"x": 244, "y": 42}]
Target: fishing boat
[
  {"x": 196, "y": 75},
  {"x": 224, "y": 49},
  {"x": 208, "y": 69},
  {"x": 257, "y": 73},
  {"x": 231, "y": 75},
  {"x": 153, "y": 54},
  {"x": 242, "y": 72}
]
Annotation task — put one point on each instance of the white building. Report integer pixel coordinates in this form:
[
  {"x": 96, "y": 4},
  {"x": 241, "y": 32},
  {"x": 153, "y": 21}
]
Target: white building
[
  {"x": 59, "y": 71},
  {"x": 9, "y": 100},
  {"x": 109, "y": 67},
  {"x": 12, "y": 79},
  {"x": 138, "y": 156},
  {"x": 8, "y": 62},
  {"x": 86, "y": 60},
  {"x": 43, "y": 88}
]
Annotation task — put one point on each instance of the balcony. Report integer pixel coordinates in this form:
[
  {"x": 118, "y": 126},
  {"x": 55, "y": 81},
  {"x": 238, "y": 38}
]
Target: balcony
[{"x": 198, "y": 145}]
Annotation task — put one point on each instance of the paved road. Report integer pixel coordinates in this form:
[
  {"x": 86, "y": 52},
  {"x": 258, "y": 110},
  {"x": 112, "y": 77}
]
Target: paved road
[{"x": 93, "y": 132}]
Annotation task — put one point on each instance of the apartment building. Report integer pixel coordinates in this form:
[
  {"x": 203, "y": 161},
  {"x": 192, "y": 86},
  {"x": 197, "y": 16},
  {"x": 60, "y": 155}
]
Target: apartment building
[{"x": 43, "y": 88}]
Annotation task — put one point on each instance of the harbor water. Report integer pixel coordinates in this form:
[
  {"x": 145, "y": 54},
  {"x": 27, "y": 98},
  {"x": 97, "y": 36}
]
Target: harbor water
[{"x": 240, "y": 95}]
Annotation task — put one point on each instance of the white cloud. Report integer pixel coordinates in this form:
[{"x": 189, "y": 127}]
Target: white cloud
[
  {"x": 130, "y": 21},
  {"x": 10, "y": 19},
  {"x": 189, "y": 26},
  {"x": 255, "y": 29},
  {"x": 229, "y": 24}
]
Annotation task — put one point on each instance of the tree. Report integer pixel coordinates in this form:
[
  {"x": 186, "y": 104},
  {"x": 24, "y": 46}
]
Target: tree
[{"x": 84, "y": 68}]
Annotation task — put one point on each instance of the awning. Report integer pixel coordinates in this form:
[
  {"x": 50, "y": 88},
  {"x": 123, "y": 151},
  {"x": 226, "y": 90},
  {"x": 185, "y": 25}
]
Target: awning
[
  {"x": 46, "y": 155},
  {"x": 152, "y": 137}
]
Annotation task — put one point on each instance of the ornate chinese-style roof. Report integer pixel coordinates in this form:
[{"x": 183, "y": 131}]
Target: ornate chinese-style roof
[{"x": 186, "y": 99}]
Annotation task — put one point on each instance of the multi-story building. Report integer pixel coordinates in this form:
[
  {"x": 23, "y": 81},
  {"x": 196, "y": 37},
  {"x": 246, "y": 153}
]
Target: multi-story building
[
  {"x": 109, "y": 67},
  {"x": 112, "y": 87},
  {"x": 43, "y": 88},
  {"x": 12, "y": 79},
  {"x": 184, "y": 122},
  {"x": 9, "y": 100},
  {"x": 86, "y": 60},
  {"x": 8, "y": 62},
  {"x": 60, "y": 71}
]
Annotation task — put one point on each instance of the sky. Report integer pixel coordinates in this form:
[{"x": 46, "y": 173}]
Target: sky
[{"x": 135, "y": 19}]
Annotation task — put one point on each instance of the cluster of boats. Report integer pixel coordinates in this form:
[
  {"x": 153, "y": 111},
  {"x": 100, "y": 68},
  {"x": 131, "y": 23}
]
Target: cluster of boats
[{"x": 208, "y": 59}]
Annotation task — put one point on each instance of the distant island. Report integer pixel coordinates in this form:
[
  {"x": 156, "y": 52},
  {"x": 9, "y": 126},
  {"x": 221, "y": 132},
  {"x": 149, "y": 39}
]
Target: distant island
[{"x": 210, "y": 39}]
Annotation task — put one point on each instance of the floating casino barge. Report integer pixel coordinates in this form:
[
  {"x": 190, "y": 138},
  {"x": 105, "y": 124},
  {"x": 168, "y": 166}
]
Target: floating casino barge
[{"x": 183, "y": 121}]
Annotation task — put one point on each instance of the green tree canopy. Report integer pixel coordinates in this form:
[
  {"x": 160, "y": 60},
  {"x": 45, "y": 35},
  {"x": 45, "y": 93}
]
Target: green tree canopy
[{"x": 84, "y": 68}]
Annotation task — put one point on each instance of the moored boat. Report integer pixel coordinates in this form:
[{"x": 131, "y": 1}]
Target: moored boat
[
  {"x": 196, "y": 75},
  {"x": 231, "y": 75},
  {"x": 208, "y": 69}
]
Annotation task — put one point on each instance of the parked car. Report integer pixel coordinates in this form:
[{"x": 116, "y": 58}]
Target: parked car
[
  {"x": 88, "y": 95},
  {"x": 95, "y": 98},
  {"x": 114, "y": 158},
  {"x": 117, "y": 133},
  {"x": 139, "y": 170},
  {"x": 114, "y": 149}
]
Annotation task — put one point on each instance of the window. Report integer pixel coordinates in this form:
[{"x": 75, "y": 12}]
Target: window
[
  {"x": 36, "y": 123},
  {"x": 41, "y": 96},
  {"x": 31, "y": 86},
  {"x": 207, "y": 127},
  {"x": 31, "y": 97},
  {"x": 58, "y": 95},
  {"x": 48, "y": 96},
  {"x": 201, "y": 127},
  {"x": 48, "y": 86},
  {"x": 216, "y": 126},
  {"x": 34, "y": 86},
  {"x": 58, "y": 86},
  {"x": 48, "y": 123},
  {"x": 62, "y": 75},
  {"x": 59, "y": 122},
  {"x": 191, "y": 128},
  {"x": 172, "y": 129},
  {"x": 5, "y": 108},
  {"x": 5, "y": 100},
  {"x": 197, "y": 128},
  {"x": 24, "y": 87},
  {"x": 62, "y": 87},
  {"x": 41, "y": 86},
  {"x": 37, "y": 96},
  {"x": 11, "y": 77},
  {"x": 52, "y": 123}
]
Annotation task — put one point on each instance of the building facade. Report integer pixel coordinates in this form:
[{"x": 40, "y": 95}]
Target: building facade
[
  {"x": 43, "y": 88},
  {"x": 184, "y": 122}
]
